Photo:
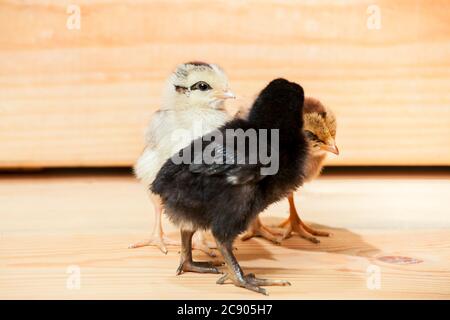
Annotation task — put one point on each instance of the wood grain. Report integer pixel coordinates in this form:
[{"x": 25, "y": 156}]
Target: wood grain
[
  {"x": 83, "y": 97},
  {"x": 52, "y": 222}
]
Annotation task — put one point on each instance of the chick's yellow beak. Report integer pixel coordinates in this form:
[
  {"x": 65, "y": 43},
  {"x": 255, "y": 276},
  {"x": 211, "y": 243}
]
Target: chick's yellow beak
[
  {"x": 330, "y": 148},
  {"x": 227, "y": 94}
]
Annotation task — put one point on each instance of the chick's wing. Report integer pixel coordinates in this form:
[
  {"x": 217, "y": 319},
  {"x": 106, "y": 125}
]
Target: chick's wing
[{"x": 219, "y": 159}]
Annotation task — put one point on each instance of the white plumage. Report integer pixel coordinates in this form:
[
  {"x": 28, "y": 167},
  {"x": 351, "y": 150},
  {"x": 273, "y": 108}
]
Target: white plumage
[{"x": 170, "y": 131}]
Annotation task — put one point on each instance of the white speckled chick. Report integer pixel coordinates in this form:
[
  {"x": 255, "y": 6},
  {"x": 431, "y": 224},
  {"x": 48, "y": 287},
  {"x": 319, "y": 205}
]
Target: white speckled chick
[{"x": 193, "y": 105}]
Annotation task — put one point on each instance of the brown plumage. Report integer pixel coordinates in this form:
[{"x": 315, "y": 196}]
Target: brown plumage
[{"x": 320, "y": 130}]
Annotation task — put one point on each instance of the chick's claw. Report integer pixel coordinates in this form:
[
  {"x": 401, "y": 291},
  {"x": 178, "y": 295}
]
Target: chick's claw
[
  {"x": 243, "y": 283},
  {"x": 251, "y": 282},
  {"x": 297, "y": 226},
  {"x": 298, "y": 229},
  {"x": 266, "y": 282},
  {"x": 315, "y": 232}
]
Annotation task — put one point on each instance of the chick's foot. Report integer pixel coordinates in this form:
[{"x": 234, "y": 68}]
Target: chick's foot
[
  {"x": 161, "y": 242},
  {"x": 195, "y": 266},
  {"x": 236, "y": 275},
  {"x": 251, "y": 282},
  {"x": 295, "y": 225},
  {"x": 257, "y": 229}
]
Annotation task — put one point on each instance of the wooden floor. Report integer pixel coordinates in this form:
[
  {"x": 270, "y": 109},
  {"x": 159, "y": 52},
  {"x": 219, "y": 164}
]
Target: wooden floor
[{"x": 55, "y": 224}]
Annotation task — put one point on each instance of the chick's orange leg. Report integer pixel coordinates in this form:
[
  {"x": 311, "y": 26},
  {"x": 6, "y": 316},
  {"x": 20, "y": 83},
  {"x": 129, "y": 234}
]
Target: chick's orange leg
[
  {"x": 158, "y": 239},
  {"x": 295, "y": 224},
  {"x": 257, "y": 229}
]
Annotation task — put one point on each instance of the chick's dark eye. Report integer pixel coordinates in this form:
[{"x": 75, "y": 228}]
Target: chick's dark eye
[
  {"x": 201, "y": 85},
  {"x": 313, "y": 137},
  {"x": 310, "y": 135}
]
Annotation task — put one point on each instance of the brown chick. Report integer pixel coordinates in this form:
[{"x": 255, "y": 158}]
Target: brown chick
[{"x": 320, "y": 130}]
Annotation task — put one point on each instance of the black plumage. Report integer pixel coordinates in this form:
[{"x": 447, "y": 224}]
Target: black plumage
[{"x": 226, "y": 195}]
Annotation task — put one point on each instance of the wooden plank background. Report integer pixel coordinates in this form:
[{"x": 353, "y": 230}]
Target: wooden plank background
[{"x": 83, "y": 97}]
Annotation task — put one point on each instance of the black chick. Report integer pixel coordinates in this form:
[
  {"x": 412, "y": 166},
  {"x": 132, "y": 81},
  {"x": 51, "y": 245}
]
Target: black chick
[{"x": 224, "y": 195}]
